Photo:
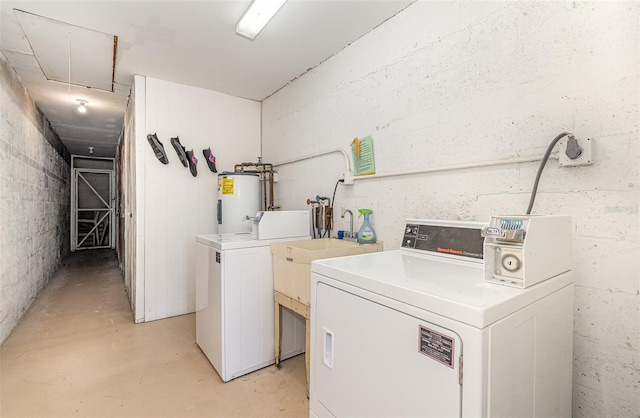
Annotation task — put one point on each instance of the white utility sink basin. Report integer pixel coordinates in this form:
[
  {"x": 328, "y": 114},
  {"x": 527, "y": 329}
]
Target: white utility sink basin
[
  {"x": 292, "y": 262},
  {"x": 352, "y": 247}
]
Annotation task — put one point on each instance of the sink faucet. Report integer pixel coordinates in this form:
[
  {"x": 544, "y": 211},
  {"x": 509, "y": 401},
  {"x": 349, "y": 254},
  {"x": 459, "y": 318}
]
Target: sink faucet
[{"x": 350, "y": 221}]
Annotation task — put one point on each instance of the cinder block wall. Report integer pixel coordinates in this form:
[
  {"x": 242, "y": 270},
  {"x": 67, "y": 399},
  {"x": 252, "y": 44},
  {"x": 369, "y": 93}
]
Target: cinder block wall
[
  {"x": 457, "y": 82},
  {"x": 35, "y": 186}
]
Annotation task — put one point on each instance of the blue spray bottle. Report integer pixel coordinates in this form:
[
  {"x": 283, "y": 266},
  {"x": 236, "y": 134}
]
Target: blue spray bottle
[{"x": 366, "y": 234}]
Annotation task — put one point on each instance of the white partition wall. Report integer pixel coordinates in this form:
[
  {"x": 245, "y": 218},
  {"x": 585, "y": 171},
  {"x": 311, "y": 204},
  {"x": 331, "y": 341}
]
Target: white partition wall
[{"x": 170, "y": 206}]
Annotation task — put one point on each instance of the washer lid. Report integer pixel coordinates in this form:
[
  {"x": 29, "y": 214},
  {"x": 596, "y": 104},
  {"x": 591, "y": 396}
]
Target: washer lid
[{"x": 452, "y": 288}]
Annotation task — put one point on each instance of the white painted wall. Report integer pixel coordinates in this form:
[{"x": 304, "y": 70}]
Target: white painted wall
[
  {"x": 172, "y": 207},
  {"x": 446, "y": 83}
]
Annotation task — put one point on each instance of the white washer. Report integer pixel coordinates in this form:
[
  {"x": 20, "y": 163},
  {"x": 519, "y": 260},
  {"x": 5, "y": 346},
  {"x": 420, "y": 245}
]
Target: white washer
[
  {"x": 419, "y": 332},
  {"x": 235, "y": 304}
]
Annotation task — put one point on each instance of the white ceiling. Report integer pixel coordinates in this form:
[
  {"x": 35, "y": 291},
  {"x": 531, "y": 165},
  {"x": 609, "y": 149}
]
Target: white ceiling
[{"x": 188, "y": 42}]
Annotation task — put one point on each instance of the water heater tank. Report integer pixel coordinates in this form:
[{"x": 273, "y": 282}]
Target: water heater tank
[{"x": 238, "y": 197}]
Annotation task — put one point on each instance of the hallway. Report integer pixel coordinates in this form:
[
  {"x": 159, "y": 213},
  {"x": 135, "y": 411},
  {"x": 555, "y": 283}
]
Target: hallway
[{"x": 77, "y": 352}]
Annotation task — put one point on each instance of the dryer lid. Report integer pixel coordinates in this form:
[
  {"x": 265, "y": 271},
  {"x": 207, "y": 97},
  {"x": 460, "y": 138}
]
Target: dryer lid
[{"x": 445, "y": 286}]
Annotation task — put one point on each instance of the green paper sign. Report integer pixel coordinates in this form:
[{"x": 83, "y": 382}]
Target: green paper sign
[{"x": 363, "y": 164}]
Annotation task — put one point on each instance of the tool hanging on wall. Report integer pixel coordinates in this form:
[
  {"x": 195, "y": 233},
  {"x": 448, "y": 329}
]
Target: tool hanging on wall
[
  {"x": 180, "y": 150},
  {"x": 193, "y": 161},
  {"x": 211, "y": 159},
  {"x": 157, "y": 148}
]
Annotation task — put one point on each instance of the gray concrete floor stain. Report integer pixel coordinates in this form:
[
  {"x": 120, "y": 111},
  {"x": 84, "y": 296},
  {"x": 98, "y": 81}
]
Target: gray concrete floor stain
[{"x": 77, "y": 352}]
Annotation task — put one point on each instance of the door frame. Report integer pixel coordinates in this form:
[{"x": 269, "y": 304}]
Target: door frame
[{"x": 110, "y": 203}]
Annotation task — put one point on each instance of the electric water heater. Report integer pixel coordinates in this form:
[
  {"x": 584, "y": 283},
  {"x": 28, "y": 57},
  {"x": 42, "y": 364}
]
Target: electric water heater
[{"x": 238, "y": 197}]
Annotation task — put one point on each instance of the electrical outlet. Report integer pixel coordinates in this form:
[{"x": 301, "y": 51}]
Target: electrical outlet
[
  {"x": 348, "y": 177},
  {"x": 586, "y": 158}
]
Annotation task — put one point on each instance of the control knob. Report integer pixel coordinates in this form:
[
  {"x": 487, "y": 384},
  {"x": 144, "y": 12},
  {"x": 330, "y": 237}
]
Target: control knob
[{"x": 510, "y": 262}]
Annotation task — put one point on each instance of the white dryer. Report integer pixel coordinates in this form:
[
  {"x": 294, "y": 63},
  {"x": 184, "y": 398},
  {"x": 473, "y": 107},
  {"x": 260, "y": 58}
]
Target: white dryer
[{"x": 418, "y": 332}]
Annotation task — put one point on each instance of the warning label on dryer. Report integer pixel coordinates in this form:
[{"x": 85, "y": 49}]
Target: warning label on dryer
[{"x": 437, "y": 346}]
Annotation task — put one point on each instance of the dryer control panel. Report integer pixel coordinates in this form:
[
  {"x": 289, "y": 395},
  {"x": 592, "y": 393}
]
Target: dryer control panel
[
  {"x": 521, "y": 251},
  {"x": 457, "y": 239}
]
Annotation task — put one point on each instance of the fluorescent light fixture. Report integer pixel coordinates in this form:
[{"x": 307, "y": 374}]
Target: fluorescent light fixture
[
  {"x": 257, "y": 16},
  {"x": 82, "y": 108}
]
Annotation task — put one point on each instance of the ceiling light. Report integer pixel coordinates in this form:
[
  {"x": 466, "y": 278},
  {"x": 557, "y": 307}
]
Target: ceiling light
[
  {"x": 82, "y": 108},
  {"x": 257, "y": 16}
]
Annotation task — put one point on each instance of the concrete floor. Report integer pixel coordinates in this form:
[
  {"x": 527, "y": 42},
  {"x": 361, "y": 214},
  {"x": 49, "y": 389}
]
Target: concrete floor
[{"x": 77, "y": 352}]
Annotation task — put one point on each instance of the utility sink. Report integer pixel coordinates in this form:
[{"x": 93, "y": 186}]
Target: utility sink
[
  {"x": 352, "y": 247},
  {"x": 292, "y": 279},
  {"x": 292, "y": 262}
]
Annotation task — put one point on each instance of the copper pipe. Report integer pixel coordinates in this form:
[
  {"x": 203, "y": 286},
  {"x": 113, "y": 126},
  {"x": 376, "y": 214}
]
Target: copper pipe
[{"x": 265, "y": 171}]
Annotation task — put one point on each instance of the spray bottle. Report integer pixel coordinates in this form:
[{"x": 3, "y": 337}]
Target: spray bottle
[{"x": 366, "y": 234}]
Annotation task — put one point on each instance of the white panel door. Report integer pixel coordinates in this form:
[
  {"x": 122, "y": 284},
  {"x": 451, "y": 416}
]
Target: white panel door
[{"x": 374, "y": 361}]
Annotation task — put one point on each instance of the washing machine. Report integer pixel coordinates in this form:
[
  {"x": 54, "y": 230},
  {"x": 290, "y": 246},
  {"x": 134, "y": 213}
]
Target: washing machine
[
  {"x": 422, "y": 331},
  {"x": 235, "y": 300}
]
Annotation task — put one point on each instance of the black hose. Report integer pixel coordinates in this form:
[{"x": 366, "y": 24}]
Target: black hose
[
  {"x": 333, "y": 201},
  {"x": 542, "y": 164},
  {"x": 313, "y": 222}
]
